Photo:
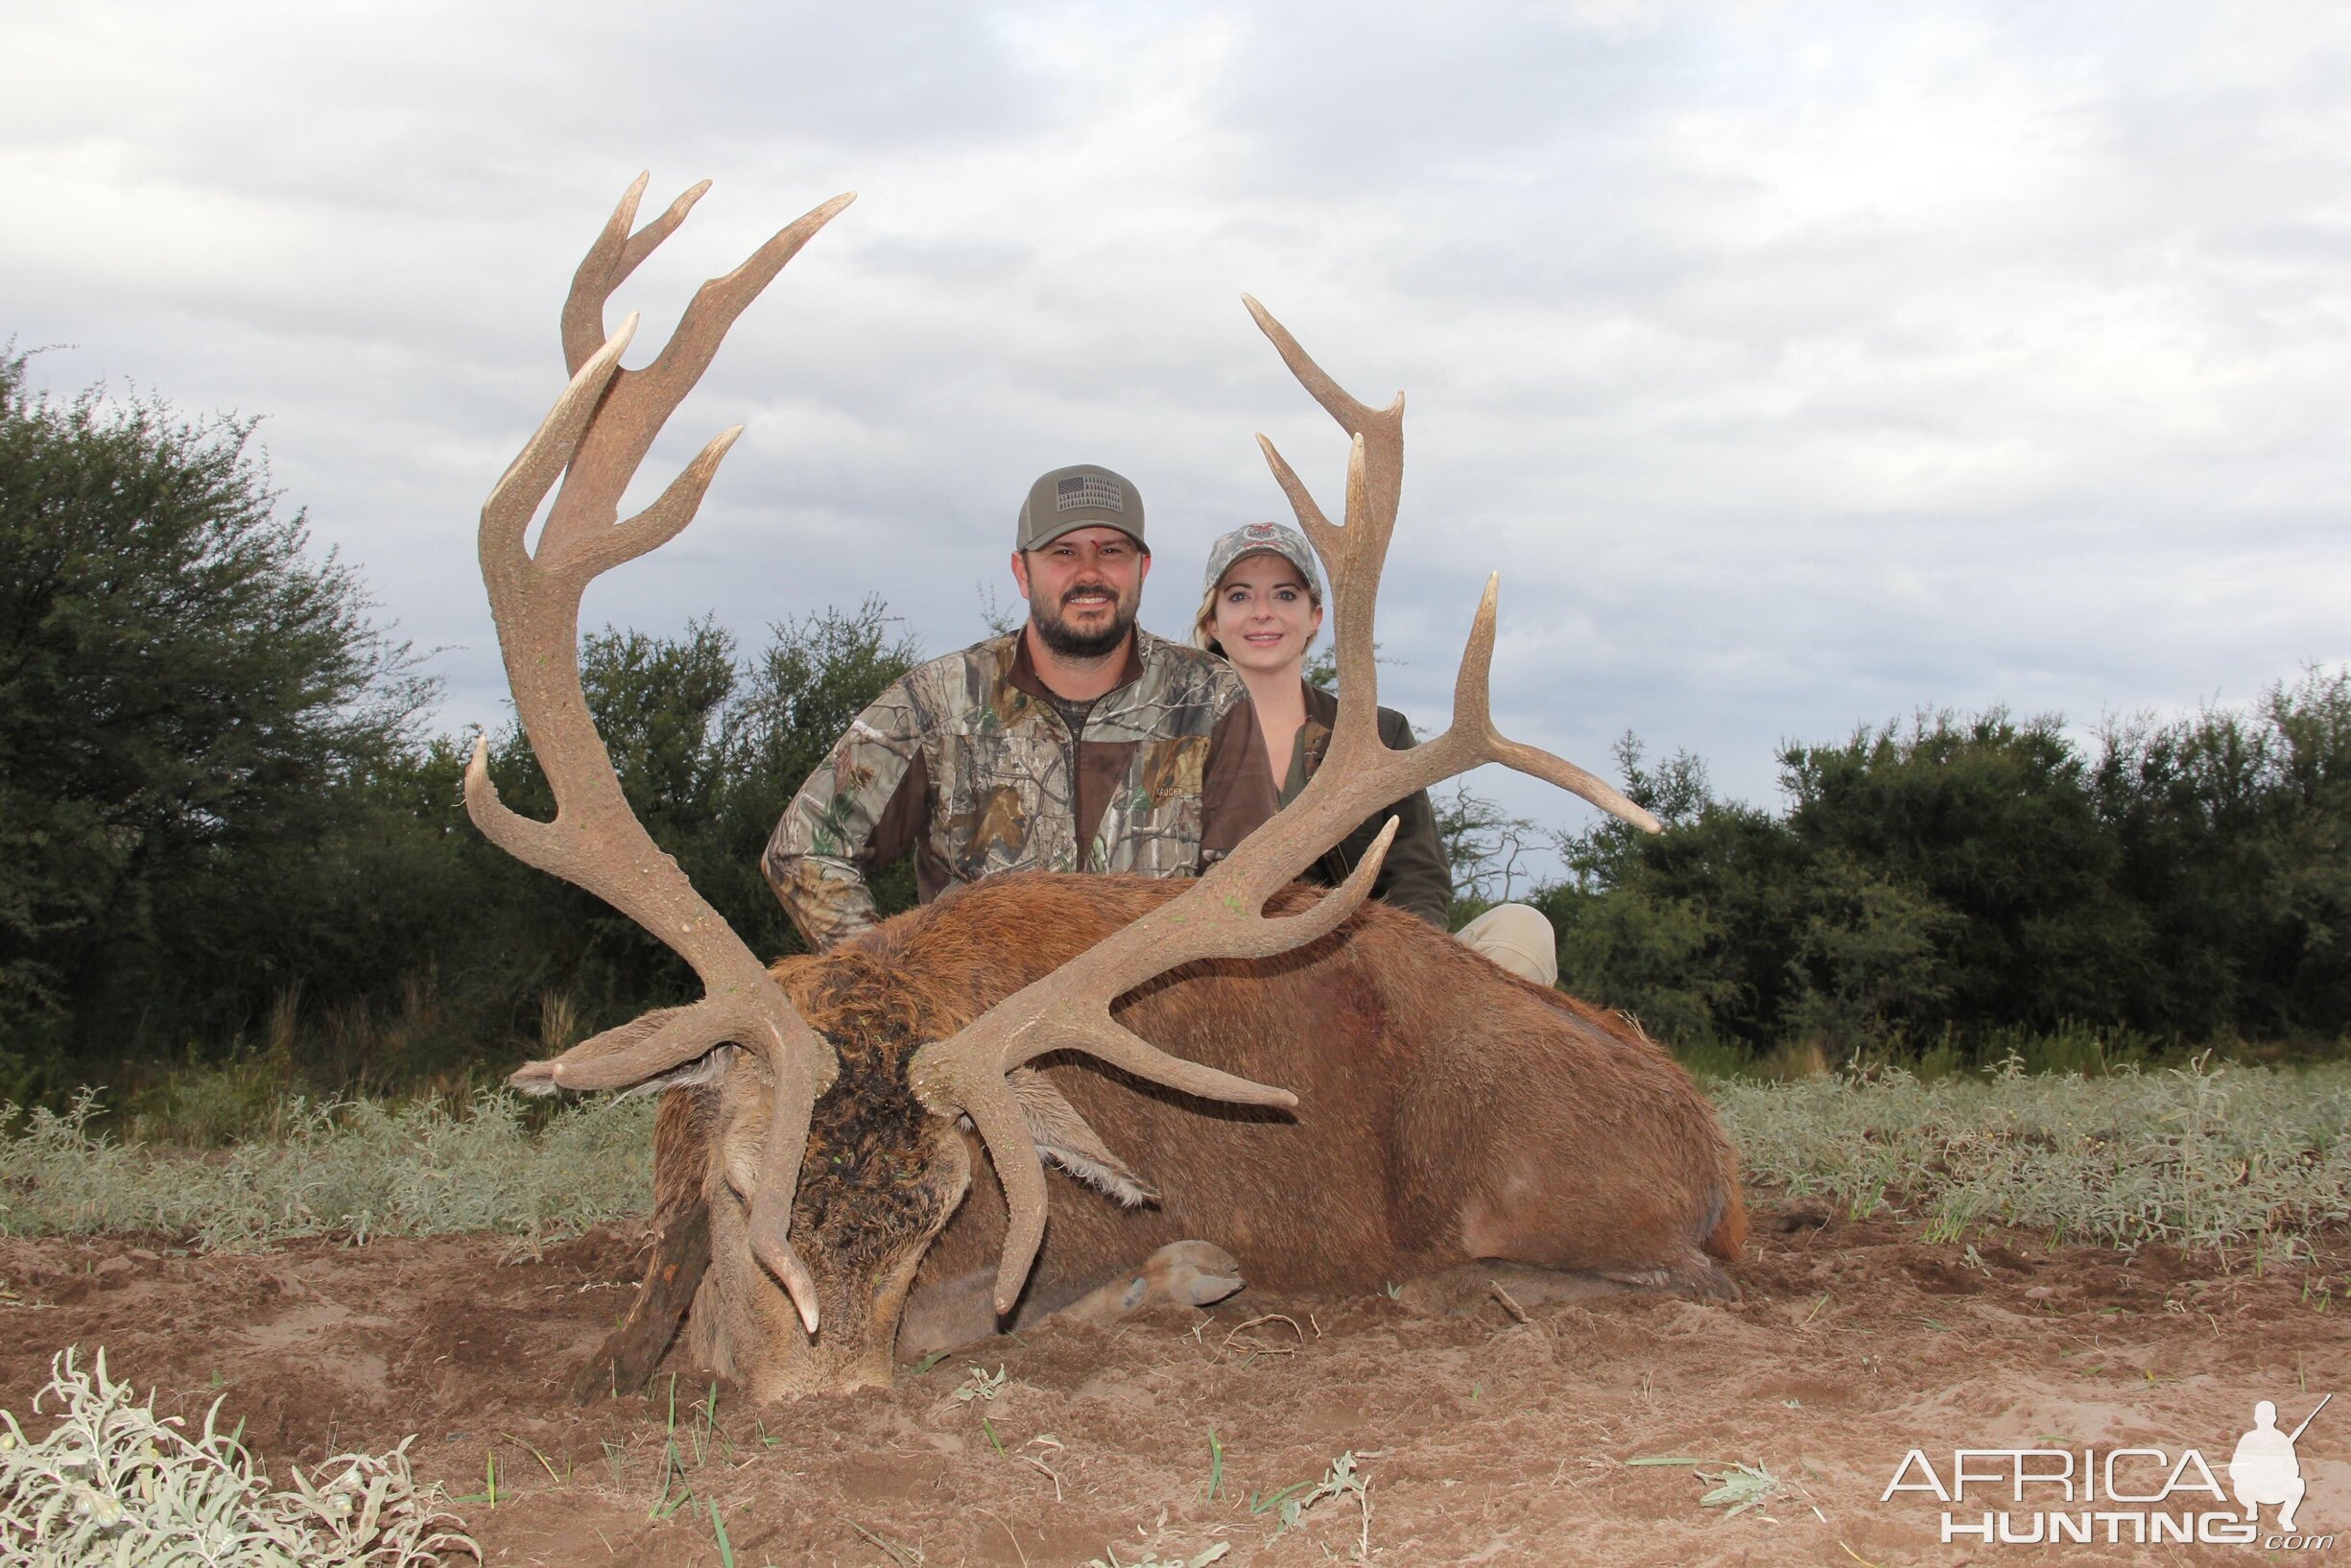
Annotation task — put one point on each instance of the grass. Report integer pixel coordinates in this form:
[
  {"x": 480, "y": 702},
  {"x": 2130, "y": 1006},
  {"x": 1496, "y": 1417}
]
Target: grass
[
  {"x": 354, "y": 1169},
  {"x": 1343, "y": 1479},
  {"x": 2071, "y": 1046},
  {"x": 1732, "y": 1486},
  {"x": 2192, "y": 1155}
]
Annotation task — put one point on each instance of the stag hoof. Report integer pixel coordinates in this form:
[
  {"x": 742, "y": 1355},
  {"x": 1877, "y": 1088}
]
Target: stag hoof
[
  {"x": 1179, "y": 1274},
  {"x": 1185, "y": 1273},
  {"x": 1702, "y": 1279}
]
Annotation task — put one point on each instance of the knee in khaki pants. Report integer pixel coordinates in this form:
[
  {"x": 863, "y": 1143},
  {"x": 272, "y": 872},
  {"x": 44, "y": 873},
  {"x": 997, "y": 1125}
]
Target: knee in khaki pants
[{"x": 1518, "y": 937}]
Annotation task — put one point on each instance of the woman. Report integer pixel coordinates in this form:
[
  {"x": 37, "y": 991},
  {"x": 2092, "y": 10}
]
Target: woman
[{"x": 1261, "y": 611}]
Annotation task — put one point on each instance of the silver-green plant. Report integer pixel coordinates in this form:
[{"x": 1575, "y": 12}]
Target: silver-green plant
[
  {"x": 980, "y": 1385},
  {"x": 1341, "y": 1479},
  {"x": 1738, "y": 1488},
  {"x": 1152, "y": 1559},
  {"x": 113, "y": 1485}
]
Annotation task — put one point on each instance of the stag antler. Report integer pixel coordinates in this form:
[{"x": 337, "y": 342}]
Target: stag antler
[
  {"x": 1223, "y": 917},
  {"x": 595, "y": 436}
]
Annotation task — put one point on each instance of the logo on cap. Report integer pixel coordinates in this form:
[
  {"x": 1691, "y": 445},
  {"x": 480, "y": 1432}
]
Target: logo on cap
[{"x": 1089, "y": 490}]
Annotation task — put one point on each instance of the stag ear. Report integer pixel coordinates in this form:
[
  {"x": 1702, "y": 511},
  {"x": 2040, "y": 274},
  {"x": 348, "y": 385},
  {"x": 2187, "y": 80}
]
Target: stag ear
[
  {"x": 1063, "y": 1138},
  {"x": 703, "y": 1071},
  {"x": 535, "y": 1077}
]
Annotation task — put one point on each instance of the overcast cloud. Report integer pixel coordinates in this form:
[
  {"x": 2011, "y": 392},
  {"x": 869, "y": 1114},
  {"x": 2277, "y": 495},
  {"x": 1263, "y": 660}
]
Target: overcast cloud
[{"x": 1796, "y": 366}]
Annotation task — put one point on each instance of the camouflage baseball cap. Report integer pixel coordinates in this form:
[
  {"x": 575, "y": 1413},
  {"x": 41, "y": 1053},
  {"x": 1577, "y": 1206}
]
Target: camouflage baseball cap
[
  {"x": 1264, "y": 538},
  {"x": 1069, "y": 499}
]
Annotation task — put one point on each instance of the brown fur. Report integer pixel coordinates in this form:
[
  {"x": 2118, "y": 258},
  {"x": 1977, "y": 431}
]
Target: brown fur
[{"x": 1446, "y": 1112}]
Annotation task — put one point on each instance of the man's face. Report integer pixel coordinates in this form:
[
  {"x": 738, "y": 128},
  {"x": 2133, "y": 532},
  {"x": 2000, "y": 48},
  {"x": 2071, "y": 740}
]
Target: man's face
[{"x": 1083, "y": 589}]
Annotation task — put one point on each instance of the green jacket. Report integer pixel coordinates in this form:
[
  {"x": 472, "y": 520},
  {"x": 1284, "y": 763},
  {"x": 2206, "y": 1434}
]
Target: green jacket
[
  {"x": 1415, "y": 876},
  {"x": 967, "y": 761}
]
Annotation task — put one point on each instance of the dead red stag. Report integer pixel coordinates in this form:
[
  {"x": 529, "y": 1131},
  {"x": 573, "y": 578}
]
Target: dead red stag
[{"x": 1446, "y": 1119}]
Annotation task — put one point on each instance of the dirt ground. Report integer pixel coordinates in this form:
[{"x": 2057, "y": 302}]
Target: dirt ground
[{"x": 1481, "y": 1438}]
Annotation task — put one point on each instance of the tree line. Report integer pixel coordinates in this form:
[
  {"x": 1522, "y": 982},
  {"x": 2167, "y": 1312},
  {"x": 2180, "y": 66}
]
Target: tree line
[
  {"x": 226, "y": 823},
  {"x": 1962, "y": 879}
]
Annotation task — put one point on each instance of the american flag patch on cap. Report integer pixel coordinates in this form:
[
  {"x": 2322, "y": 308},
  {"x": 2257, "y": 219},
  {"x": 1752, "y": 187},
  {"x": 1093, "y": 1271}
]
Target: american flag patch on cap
[{"x": 1089, "y": 490}]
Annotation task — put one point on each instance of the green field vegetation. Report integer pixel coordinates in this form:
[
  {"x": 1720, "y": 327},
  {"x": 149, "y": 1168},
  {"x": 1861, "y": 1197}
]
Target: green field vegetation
[
  {"x": 356, "y": 1170},
  {"x": 2198, "y": 1156},
  {"x": 2193, "y": 1156}
]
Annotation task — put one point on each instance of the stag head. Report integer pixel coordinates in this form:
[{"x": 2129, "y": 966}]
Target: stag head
[{"x": 844, "y": 1083}]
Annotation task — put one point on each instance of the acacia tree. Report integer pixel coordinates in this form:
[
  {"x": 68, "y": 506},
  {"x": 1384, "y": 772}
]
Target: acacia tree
[{"x": 183, "y": 687}]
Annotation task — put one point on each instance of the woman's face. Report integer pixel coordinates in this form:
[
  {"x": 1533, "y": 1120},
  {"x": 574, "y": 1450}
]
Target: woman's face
[{"x": 1265, "y": 618}]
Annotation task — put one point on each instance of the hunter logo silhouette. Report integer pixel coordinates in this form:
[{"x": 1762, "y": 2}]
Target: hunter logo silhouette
[{"x": 2264, "y": 1470}]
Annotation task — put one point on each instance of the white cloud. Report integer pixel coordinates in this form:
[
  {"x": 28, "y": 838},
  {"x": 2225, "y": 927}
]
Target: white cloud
[{"x": 1797, "y": 365}]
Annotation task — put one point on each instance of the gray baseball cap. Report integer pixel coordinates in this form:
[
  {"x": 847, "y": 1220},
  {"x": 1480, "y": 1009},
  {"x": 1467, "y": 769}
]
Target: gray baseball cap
[
  {"x": 1264, "y": 539},
  {"x": 1084, "y": 497}
]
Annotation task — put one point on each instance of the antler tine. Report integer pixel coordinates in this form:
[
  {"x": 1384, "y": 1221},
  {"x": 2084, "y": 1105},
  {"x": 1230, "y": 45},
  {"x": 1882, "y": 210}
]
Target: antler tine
[
  {"x": 779, "y": 1182},
  {"x": 1374, "y": 485},
  {"x": 641, "y": 401},
  {"x": 1473, "y": 720},
  {"x": 610, "y": 260},
  {"x": 505, "y": 517},
  {"x": 650, "y": 529},
  {"x": 1021, "y": 1173},
  {"x": 1352, "y": 413},
  {"x": 1471, "y": 739},
  {"x": 595, "y": 436},
  {"x": 1318, "y": 527},
  {"x": 1356, "y": 555}
]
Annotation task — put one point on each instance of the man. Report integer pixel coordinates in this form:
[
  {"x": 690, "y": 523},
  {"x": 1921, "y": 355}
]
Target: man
[{"x": 1078, "y": 742}]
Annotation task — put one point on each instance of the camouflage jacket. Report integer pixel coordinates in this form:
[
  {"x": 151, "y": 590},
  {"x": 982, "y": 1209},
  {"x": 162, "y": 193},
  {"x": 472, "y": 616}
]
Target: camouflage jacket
[{"x": 967, "y": 761}]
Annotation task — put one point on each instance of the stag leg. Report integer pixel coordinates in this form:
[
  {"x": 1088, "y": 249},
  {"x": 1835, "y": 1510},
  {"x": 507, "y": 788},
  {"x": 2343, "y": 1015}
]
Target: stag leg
[
  {"x": 954, "y": 1312},
  {"x": 681, "y": 1254},
  {"x": 1468, "y": 1286}
]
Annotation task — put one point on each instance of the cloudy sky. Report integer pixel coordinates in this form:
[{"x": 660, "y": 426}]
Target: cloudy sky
[{"x": 1796, "y": 364}]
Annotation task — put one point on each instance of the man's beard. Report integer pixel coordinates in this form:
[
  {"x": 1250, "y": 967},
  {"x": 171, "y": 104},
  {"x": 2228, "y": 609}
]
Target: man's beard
[{"x": 1066, "y": 640}]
